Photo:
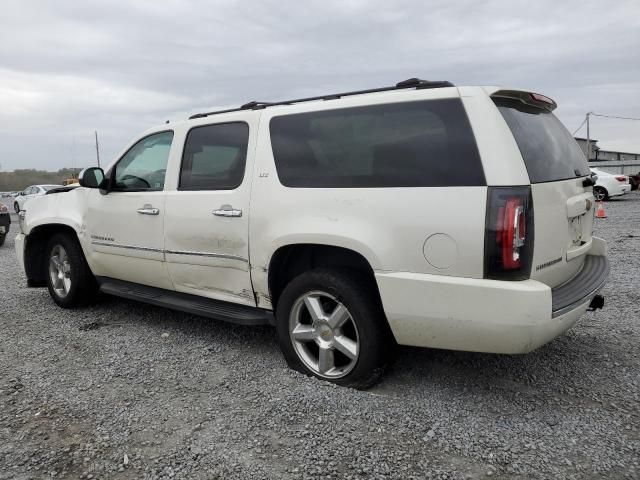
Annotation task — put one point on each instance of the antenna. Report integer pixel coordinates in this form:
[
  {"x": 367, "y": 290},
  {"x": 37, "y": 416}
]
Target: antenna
[{"x": 97, "y": 148}]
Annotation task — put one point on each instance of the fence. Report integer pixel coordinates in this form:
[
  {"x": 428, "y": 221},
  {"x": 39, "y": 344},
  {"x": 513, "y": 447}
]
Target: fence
[{"x": 626, "y": 167}]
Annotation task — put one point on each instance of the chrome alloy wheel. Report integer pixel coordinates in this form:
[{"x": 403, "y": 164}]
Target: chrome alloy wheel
[
  {"x": 60, "y": 271},
  {"x": 324, "y": 335}
]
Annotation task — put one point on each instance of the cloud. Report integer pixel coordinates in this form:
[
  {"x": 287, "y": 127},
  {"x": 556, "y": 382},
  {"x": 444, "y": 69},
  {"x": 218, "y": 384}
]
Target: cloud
[{"x": 68, "y": 68}]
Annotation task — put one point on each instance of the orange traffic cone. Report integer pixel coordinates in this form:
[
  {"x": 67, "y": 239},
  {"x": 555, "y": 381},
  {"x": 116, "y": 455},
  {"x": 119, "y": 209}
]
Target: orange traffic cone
[{"x": 600, "y": 210}]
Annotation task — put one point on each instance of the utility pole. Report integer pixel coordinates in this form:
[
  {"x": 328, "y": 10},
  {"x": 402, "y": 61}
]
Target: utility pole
[
  {"x": 588, "y": 139},
  {"x": 98, "y": 148}
]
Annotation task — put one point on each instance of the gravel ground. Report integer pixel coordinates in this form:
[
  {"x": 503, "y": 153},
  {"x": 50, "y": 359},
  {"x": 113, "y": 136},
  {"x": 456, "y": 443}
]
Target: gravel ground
[{"x": 124, "y": 390}]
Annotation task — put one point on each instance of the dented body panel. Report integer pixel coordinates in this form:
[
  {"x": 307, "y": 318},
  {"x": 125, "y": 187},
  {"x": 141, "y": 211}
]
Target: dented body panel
[{"x": 425, "y": 245}]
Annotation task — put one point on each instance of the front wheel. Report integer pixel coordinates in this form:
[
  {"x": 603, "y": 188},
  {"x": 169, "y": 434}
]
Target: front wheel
[
  {"x": 69, "y": 278},
  {"x": 331, "y": 325},
  {"x": 16, "y": 207}
]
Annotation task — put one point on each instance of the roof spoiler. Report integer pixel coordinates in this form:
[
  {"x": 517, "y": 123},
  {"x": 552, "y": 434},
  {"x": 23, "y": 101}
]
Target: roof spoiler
[{"x": 528, "y": 98}]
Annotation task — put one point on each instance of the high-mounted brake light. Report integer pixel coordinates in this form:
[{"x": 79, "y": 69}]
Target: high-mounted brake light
[
  {"x": 509, "y": 233},
  {"x": 542, "y": 98},
  {"x": 528, "y": 98}
]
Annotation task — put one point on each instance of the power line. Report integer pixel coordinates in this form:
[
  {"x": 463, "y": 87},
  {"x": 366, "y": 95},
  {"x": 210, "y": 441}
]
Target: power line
[
  {"x": 603, "y": 115},
  {"x": 614, "y": 116},
  {"x": 581, "y": 125}
]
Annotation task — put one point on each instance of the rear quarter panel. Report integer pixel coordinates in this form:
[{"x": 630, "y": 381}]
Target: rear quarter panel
[{"x": 388, "y": 226}]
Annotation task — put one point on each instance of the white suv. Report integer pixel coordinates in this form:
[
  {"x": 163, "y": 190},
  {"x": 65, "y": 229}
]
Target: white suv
[{"x": 421, "y": 214}]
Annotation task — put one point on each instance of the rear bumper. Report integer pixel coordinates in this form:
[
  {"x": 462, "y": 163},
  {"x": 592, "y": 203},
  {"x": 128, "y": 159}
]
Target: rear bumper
[
  {"x": 487, "y": 315},
  {"x": 581, "y": 288},
  {"x": 623, "y": 190}
]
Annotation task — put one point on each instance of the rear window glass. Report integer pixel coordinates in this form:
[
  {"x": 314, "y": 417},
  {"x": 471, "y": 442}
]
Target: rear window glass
[
  {"x": 412, "y": 144},
  {"x": 549, "y": 151}
]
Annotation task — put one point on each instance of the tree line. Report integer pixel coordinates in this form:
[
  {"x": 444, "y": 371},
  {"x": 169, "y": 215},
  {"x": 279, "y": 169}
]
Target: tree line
[{"x": 20, "y": 179}]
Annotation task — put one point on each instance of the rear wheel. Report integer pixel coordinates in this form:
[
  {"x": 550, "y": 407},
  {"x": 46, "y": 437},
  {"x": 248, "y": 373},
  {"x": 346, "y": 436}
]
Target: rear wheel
[
  {"x": 600, "y": 193},
  {"x": 16, "y": 207},
  {"x": 2, "y": 237},
  {"x": 69, "y": 278},
  {"x": 331, "y": 325}
]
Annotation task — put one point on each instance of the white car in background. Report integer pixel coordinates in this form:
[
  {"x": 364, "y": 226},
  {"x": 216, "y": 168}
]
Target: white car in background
[
  {"x": 609, "y": 185},
  {"x": 30, "y": 192}
]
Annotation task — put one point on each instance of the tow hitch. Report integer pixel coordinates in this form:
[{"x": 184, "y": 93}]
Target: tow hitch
[{"x": 596, "y": 303}]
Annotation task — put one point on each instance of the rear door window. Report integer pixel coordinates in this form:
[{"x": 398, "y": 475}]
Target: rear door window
[
  {"x": 549, "y": 151},
  {"x": 214, "y": 157},
  {"x": 412, "y": 144}
]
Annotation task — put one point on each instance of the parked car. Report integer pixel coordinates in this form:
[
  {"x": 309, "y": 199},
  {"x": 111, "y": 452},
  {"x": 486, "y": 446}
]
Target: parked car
[
  {"x": 30, "y": 192},
  {"x": 609, "y": 185},
  {"x": 420, "y": 214},
  {"x": 634, "y": 180},
  {"x": 5, "y": 223}
]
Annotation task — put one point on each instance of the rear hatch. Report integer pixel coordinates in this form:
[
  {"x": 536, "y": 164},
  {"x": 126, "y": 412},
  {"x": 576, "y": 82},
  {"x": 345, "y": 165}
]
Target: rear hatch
[{"x": 563, "y": 202}]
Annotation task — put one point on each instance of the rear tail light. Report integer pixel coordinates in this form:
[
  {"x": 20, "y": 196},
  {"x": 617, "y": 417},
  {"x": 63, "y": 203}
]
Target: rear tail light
[
  {"x": 508, "y": 233},
  {"x": 621, "y": 178}
]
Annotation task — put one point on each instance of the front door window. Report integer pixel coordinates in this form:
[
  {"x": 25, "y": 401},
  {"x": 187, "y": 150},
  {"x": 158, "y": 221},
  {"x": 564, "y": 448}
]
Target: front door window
[{"x": 144, "y": 166}]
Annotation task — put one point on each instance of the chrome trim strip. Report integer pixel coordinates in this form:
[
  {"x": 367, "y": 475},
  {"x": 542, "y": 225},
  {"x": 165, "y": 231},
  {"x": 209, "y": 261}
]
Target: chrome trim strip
[
  {"x": 129, "y": 247},
  {"x": 207, "y": 254},
  {"x": 171, "y": 252}
]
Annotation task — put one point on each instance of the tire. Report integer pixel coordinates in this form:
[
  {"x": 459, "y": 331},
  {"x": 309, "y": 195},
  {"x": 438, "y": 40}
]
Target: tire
[
  {"x": 69, "y": 279},
  {"x": 347, "y": 340},
  {"x": 2, "y": 237},
  {"x": 16, "y": 207},
  {"x": 600, "y": 193}
]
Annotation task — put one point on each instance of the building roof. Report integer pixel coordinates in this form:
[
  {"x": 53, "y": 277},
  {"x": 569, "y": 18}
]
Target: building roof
[{"x": 617, "y": 151}]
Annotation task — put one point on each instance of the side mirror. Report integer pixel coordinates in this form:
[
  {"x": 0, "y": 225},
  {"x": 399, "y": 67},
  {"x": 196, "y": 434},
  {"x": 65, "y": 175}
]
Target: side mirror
[{"x": 91, "y": 177}]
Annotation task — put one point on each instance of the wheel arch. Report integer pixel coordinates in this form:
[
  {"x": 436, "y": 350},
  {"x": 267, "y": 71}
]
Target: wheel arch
[
  {"x": 291, "y": 260},
  {"x": 35, "y": 250}
]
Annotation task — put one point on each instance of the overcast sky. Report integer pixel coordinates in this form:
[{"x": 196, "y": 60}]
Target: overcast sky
[{"x": 68, "y": 68}]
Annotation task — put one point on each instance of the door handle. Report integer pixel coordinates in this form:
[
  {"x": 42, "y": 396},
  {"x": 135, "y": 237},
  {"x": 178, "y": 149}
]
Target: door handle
[
  {"x": 227, "y": 211},
  {"x": 148, "y": 210}
]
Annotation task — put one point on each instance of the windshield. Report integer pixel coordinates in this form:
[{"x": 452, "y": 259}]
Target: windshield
[{"x": 549, "y": 151}]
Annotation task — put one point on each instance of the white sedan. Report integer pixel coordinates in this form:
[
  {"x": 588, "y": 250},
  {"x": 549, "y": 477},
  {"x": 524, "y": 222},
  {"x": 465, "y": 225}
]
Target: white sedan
[
  {"x": 30, "y": 192},
  {"x": 610, "y": 185}
]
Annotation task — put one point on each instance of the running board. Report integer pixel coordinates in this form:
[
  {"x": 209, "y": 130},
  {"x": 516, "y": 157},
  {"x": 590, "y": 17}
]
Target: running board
[{"x": 184, "y": 302}]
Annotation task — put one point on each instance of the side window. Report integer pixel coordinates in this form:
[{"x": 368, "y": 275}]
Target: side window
[
  {"x": 214, "y": 157},
  {"x": 144, "y": 166},
  {"x": 413, "y": 144}
]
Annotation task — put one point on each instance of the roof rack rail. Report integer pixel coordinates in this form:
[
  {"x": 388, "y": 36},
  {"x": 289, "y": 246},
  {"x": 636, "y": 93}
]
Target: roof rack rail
[{"x": 416, "y": 83}]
